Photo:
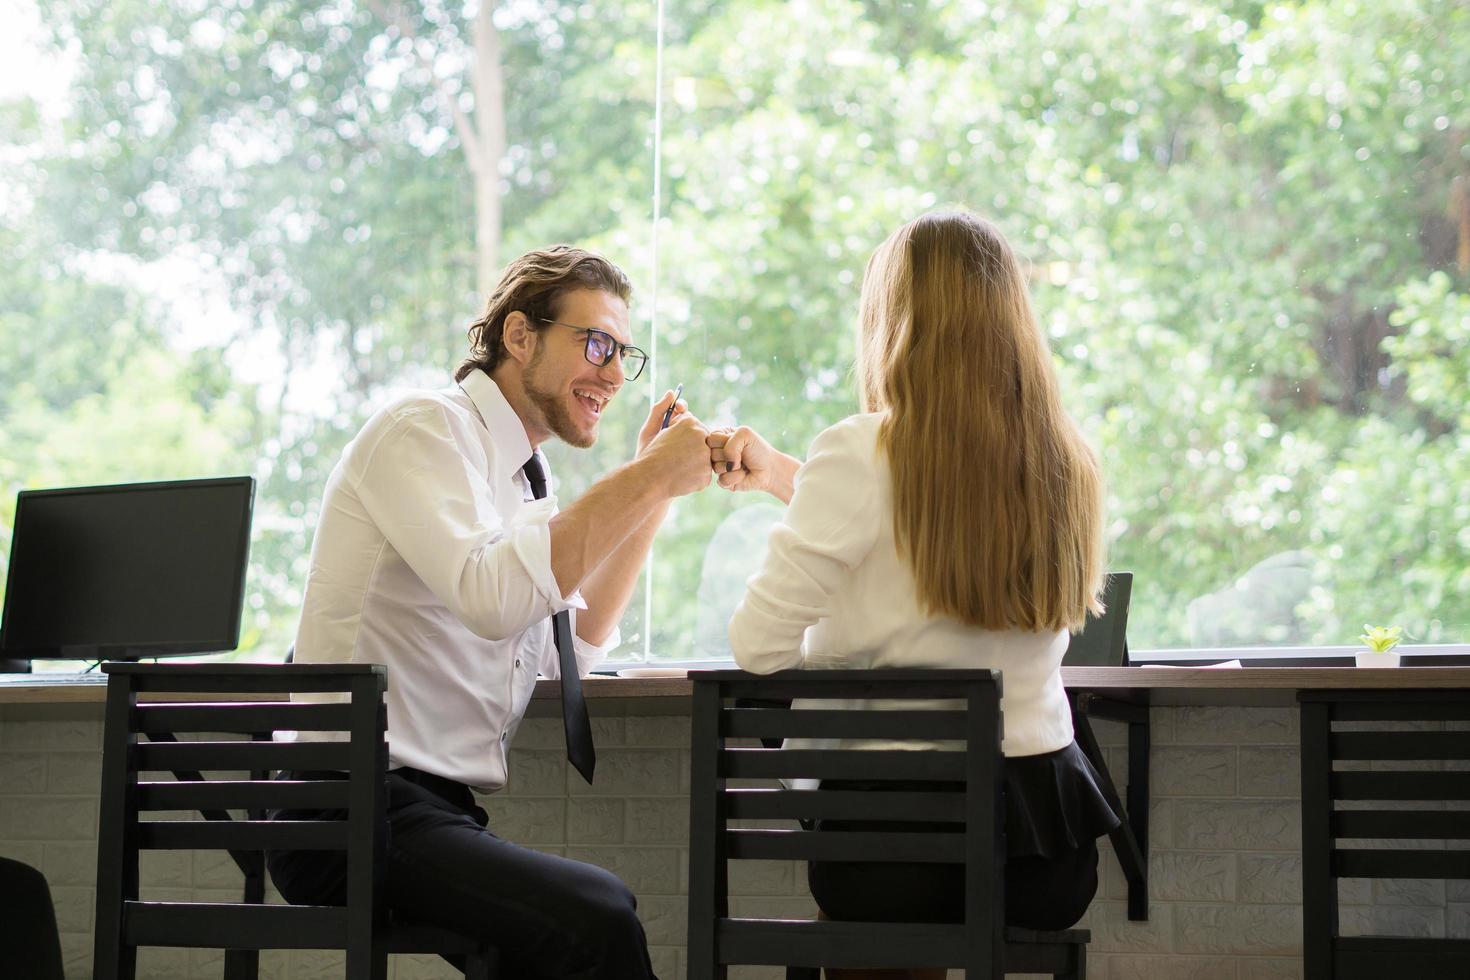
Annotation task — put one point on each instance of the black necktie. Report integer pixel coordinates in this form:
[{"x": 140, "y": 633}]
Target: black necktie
[{"x": 573, "y": 708}]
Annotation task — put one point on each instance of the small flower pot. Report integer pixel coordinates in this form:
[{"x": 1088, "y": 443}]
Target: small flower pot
[{"x": 1367, "y": 658}]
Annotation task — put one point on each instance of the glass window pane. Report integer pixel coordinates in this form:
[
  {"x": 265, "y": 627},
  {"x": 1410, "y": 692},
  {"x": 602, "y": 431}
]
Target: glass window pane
[
  {"x": 232, "y": 230},
  {"x": 229, "y": 231},
  {"x": 1249, "y": 238}
]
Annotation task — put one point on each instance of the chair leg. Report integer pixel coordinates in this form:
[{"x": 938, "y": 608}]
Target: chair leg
[
  {"x": 1078, "y": 968},
  {"x": 480, "y": 965},
  {"x": 242, "y": 964}
]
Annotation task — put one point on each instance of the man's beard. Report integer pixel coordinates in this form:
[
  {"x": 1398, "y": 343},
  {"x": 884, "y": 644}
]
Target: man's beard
[{"x": 554, "y": 409}]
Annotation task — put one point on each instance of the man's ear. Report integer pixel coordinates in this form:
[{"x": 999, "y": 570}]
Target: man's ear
[{"x": 519, "y": 339}]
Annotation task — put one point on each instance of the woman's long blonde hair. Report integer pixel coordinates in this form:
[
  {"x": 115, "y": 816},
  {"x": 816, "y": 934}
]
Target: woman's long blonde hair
[{"x": 997, "y": 497}]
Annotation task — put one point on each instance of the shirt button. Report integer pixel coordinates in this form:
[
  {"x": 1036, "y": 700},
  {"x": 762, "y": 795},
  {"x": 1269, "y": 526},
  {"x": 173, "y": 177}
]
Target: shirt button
[
  {"x": 502, "y": 736},
  {"x": 518, "y": 663}
]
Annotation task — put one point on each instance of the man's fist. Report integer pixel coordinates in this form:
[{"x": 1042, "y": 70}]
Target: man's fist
[{"x": 678, "y": 456}]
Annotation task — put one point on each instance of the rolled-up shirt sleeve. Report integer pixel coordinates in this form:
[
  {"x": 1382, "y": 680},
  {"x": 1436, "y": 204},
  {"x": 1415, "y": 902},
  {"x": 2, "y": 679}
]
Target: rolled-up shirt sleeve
[
  {"x": 493, "y": 575},
  {"x": 589, "y": 655},
  {"x": 534, "y": 550},
  {"x": 828, "y": 528}
]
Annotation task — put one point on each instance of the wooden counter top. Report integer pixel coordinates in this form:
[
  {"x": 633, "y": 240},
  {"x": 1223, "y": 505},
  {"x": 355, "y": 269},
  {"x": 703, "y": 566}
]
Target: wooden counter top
[
  {"x": 1254, "y": 685},
  {"x": 1156, "y": 685},
  {"x": 34, "y": 689}
]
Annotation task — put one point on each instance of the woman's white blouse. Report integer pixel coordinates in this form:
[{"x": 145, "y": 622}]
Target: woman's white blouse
[{"x": 834, "y": 593}]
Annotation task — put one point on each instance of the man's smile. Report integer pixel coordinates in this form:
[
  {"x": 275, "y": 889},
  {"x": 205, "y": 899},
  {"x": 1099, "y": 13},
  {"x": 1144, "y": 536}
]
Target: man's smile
[{"x": 594, "y": 401}]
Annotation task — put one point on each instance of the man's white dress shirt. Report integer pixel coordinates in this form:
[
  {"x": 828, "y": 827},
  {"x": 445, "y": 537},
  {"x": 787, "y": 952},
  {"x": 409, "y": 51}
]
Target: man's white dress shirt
[
  {"x": 834, "y": 592},
  {"x": 431, "y": 557}
]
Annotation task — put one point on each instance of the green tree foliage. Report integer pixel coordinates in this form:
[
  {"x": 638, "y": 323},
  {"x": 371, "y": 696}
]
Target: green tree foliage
[
  {"x": 90, "y": 393},
  {"x": 1248, "y": 227}
]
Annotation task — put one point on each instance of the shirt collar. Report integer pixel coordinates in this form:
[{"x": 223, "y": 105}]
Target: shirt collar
[{"x": 507, "y": 431}]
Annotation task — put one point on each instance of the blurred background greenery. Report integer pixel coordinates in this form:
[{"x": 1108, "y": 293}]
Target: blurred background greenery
[{"x": 229, "y": 229}]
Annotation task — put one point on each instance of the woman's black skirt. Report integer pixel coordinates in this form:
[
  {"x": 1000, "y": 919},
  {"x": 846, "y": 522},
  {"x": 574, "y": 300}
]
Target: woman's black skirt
[{"x": 1054, "y": 812}]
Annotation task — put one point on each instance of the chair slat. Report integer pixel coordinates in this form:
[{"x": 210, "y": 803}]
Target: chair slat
[
  {"x": 241, "y": 755},
  {"x": 852, "y": 687},
  {"x": 240, "y": 926},
  {"x": 809, "y": 845},
  {"x": 1400, "y": 709},
  {"x": 1054, "y": 959},
  {"x": 243, "y": 795},
  {"x": 1443, "y": 865},
  {"x": 1400, "y": 745},
  {"x": 412, "y": 937},
  {"x": 137, "y": 670},
  {"x": 841, "y": 764},
  {"x": 1402, "y": 824},
  {"x": 1375, "y": 957},
  {"x": 282, "y": 679},
  {"x": 1401, "y": 785},
  {"x": 1015, "y": 934},
  {"x": 838, "y": 944},
  {"x": 768, "y": 804},
  {"x": 242, "y": 717},
  {"x": 258, "y": 835},
  {"x": 822, "y": 723}
]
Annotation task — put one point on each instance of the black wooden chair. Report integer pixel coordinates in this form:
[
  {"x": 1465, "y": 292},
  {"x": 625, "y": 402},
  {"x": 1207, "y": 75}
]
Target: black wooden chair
[
  {"x": 1335, "y": 749},
  {"x": 720, "y": 814},
  {"x": 208, "y": 746}
]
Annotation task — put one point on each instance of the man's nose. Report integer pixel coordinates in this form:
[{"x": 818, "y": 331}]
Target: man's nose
[{"x": 612, "y": 371}]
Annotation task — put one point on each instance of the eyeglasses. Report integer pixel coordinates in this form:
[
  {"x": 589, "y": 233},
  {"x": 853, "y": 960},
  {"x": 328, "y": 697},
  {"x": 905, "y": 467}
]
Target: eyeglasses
[{"x": 601, "y": 348}]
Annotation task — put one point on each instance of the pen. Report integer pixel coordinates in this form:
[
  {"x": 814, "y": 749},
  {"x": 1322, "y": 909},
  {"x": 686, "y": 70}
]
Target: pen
[{"x": 670, "y": 413}]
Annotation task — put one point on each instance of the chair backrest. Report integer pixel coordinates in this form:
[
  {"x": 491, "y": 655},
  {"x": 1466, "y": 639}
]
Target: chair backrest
[
  {"x": 212, "y": 726},
  {"x": 1383, "y": 775},
  {"x": 1103, "y": 640},
  {"x": 731, "y": 812}
]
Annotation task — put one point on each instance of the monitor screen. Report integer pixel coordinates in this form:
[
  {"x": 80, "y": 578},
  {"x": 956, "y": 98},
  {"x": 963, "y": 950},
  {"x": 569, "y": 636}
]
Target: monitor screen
[{"x": 135, "y": 570}]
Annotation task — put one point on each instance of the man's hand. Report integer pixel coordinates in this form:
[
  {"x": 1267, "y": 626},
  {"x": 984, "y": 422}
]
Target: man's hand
[
  {"x": 745, "y": 461},
  {"x": 599, "y": 541},
  {"x": 655, "y": 418},
  {"x": 669, "y": 463},
  {"x": 677, "y": 457}
]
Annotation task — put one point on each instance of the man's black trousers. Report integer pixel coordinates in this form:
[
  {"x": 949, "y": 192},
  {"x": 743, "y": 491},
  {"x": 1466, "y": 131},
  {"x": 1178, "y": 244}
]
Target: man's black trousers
[{"x": 550, "y": 917}]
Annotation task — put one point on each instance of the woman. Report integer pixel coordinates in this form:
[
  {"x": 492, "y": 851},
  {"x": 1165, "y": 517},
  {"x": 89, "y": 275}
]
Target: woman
[{"x": 956, "y": 522}]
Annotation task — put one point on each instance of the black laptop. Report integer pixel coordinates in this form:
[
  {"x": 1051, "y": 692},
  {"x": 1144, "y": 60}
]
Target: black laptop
[{"x": 1103, "y": 641}]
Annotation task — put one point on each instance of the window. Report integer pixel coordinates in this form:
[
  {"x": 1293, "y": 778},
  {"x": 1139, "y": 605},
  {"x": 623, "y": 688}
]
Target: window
[{"x": 230, "y": 229}]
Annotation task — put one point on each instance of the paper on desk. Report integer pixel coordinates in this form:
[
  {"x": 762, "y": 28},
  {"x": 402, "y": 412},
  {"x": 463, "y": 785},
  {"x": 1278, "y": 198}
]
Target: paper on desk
[{"x": 1224, "y": 665}]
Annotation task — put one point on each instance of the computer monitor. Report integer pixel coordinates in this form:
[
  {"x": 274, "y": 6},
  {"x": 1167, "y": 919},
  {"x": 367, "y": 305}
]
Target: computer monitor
[
  {"x": 128, "y": 571},
  {"x": 1103, "y": 641}
]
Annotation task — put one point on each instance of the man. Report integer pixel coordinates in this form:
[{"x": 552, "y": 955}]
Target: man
[{"x": 433, "y": 556}]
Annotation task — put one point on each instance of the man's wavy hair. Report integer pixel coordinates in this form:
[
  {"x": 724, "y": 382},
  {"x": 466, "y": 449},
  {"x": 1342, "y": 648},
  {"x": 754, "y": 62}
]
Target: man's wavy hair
[{"x": 535, "y": 284}]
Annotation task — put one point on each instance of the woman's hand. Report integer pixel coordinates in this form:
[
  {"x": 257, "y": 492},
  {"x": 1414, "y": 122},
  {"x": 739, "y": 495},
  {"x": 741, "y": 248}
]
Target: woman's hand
[{"x": 744, "y": 461}]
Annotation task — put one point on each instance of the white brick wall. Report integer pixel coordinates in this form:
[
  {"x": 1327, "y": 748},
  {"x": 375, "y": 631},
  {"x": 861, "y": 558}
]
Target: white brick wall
[{"x": 1225, "y": 836}]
